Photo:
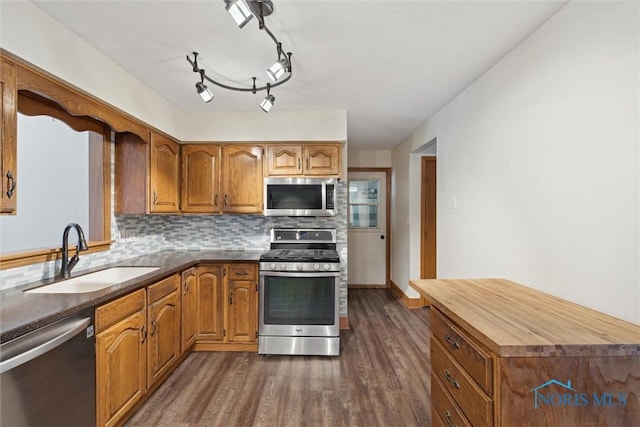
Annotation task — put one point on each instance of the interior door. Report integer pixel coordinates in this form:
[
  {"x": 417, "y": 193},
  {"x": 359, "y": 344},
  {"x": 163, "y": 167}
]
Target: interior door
[{"x": 367, "y": 244}]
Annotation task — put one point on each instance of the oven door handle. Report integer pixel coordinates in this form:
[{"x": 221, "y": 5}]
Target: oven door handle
[{"x": 300, "y": 274}]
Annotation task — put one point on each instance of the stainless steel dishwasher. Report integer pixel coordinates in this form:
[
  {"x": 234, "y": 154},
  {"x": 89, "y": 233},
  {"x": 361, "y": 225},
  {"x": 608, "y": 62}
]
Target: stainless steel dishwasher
[{"x": 48, "y": 376}]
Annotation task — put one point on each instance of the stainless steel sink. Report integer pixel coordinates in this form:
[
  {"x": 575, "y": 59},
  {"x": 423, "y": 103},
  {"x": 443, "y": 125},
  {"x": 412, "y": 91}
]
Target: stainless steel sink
[{"x": 93, "y": 281}]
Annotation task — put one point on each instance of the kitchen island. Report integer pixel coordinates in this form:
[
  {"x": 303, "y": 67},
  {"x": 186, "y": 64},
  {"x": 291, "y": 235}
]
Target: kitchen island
[{"x": 504, "y": 354}]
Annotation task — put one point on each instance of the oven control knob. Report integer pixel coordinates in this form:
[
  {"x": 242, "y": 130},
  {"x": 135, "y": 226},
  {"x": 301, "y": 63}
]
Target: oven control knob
[
  {"x": 299, "y": 267},
  {"x": 273, "y": 266},
  {"x": 326, "y": 267},
  {"x": 283, "y": 266},
  {"x": 316, "y": 267}
]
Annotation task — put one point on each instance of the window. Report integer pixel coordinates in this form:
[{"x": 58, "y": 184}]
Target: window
[{"x": 364, "y": 203}]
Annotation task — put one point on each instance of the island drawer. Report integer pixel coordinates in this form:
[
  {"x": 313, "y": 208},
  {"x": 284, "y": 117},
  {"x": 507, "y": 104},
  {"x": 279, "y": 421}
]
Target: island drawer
[
  {"x": 476, "y": 361},
  {"x": 444, "y": 407},
  {"x": 475, "y": 404}
]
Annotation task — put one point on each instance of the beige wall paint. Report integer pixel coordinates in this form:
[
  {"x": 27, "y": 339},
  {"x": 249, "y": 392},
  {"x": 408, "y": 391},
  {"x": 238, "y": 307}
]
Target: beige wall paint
[{"x": 369, "y": 158}]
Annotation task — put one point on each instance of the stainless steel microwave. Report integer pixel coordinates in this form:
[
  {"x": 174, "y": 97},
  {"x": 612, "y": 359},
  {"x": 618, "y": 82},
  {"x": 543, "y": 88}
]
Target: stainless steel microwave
[{"x": 300, "y": 196}]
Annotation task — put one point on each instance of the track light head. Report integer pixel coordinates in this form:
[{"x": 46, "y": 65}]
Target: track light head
[
  {"x": 239, "y": 11},
  {"x": 267, "y": 103},
  {"x": 278, "y": 69},
  {"x": 204, "y": 92}
]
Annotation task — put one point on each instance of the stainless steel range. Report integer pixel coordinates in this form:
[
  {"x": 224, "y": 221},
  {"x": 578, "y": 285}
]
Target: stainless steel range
[{"x": 299, "y": 293}]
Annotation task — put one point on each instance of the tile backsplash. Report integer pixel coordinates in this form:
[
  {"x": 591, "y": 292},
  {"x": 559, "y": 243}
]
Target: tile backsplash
[{"x": 137, "y": 235}]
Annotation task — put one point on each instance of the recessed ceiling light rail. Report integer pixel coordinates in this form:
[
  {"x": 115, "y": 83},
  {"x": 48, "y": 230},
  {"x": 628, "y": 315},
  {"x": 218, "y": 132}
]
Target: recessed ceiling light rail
[{"x": 242, "y": 11}]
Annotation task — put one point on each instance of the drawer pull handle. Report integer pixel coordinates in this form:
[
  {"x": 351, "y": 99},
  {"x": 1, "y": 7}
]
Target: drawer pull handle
[
  {"x": 449, "y": 378},
  {"x": 450, "y": 340},
  {"x": 447, "y": 418},
  {"x": 241, "y": 273}
]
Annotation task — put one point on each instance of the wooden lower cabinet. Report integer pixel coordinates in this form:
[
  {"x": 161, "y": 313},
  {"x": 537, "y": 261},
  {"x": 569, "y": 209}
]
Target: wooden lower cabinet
[
  {"x": 164, "y": 327},
  {"x": 141, "y": 337},
  {"x": 189, "y": 309},
  {"x": 137, "y": 344},
  {"x": 121, "y": 357},
  {"x": 227, "y": 304}
]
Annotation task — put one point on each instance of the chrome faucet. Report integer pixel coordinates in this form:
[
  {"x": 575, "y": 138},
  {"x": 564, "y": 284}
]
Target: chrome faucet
[{"x": 68, "y": 264}]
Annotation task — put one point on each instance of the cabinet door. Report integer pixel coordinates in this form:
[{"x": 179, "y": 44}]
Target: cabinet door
[
  {"x": 121, "y": 368},
  {"x": 210, "y": 311},
  {"x": 8, "y": 147},
  {"x": 189, "y": 308},
  {"x": 243, "y": 311},
  {"x": 164, "y": 335},
  {"x": 164, "y": 170},
  {"x": 201, "y": 178},
  {"x": 322, "y": 160},
  {"x": 242, "y": 179},
  {"x": 284, "y": 160}
]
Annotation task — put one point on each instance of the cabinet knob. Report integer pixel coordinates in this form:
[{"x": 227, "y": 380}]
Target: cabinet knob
[
  {"x": 230, "y": 297},
  {"x": 451, "y": 342},
  {"x": 154, "y": 327},
  {"x": 215, "y": 200},
  {"x": 155, "y": 197},
  {"x": 143, "y": 332}
]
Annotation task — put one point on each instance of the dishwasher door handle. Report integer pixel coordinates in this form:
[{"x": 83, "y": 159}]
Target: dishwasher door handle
[{"x": 71, "y": 331}]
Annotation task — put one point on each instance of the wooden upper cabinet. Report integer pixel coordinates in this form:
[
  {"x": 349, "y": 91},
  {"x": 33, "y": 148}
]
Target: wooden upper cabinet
[
  {"x": 303, "y": 160},
  {"x": 8, "y": 143},
  {"x": 147, "y": 174},
  {"x": 201, "y": 179},
  {"x": 322, "y": 160},
  {"x": 242, "y": 178},
  {"x": 284, "y": 160},
  {"x": 164, "y": 179}
]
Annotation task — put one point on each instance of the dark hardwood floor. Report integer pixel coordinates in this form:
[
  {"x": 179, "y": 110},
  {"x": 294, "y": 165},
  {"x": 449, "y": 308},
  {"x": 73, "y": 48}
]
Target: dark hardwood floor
[{"x": 380, "y": 379}]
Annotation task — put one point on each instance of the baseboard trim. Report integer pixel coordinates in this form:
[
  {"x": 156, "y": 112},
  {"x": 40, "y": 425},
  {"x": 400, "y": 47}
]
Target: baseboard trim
[
  {"x": 209, "y": 346},
  {"x": 344, "y": 323},
  {"x": 356, "y": 286},
  {"x": 410, "y": 303}
]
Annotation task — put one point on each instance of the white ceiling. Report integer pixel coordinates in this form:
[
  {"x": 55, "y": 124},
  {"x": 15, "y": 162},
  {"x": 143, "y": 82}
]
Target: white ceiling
[{"x": 390, "y": 64}]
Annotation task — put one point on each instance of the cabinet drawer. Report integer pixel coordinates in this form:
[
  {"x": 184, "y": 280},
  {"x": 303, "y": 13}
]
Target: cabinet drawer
[
  {"x": 242, "y": 272},
  {"x": 475, "y": 404},
  {"x": 476, "y": 361},
  {"x": 163, "y": 288},
  {"x": 443, "y": 407},
  {"x": 119, "y": 309}
]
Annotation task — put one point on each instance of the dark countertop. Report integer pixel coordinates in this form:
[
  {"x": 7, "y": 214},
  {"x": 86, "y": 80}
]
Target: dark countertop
[{"x": 21, "y": 313}]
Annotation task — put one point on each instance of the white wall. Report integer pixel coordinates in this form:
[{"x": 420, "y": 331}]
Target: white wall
[
  {"x": 369, "y": 158},
  {"x": 542, "y": 155}
]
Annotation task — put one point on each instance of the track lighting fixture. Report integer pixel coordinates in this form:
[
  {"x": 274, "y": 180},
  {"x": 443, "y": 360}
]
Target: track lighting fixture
[
  {"x": 268, "y": 100},
  {"x": 242, "y": 11}
]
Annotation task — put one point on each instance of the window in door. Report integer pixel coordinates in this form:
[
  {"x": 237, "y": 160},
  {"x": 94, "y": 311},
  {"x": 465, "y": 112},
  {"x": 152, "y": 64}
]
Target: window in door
[{"x": 364, "y": 205}]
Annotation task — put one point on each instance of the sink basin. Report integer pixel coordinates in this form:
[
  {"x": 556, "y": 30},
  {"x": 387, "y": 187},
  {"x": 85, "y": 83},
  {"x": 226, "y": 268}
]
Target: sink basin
[{"x": 93, "y": 281}]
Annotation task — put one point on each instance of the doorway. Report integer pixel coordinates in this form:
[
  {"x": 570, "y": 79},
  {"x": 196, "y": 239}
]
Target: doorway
[
  {"x": 428, "y": 218},
  {"x": 368, "y": 237}
]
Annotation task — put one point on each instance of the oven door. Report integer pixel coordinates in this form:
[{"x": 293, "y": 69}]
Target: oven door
[{"x": 299, "y": 304}]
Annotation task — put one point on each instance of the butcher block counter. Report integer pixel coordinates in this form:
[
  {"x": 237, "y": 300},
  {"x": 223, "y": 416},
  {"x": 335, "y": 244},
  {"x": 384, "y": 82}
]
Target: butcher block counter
[{"x": 504, "y": 354}]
